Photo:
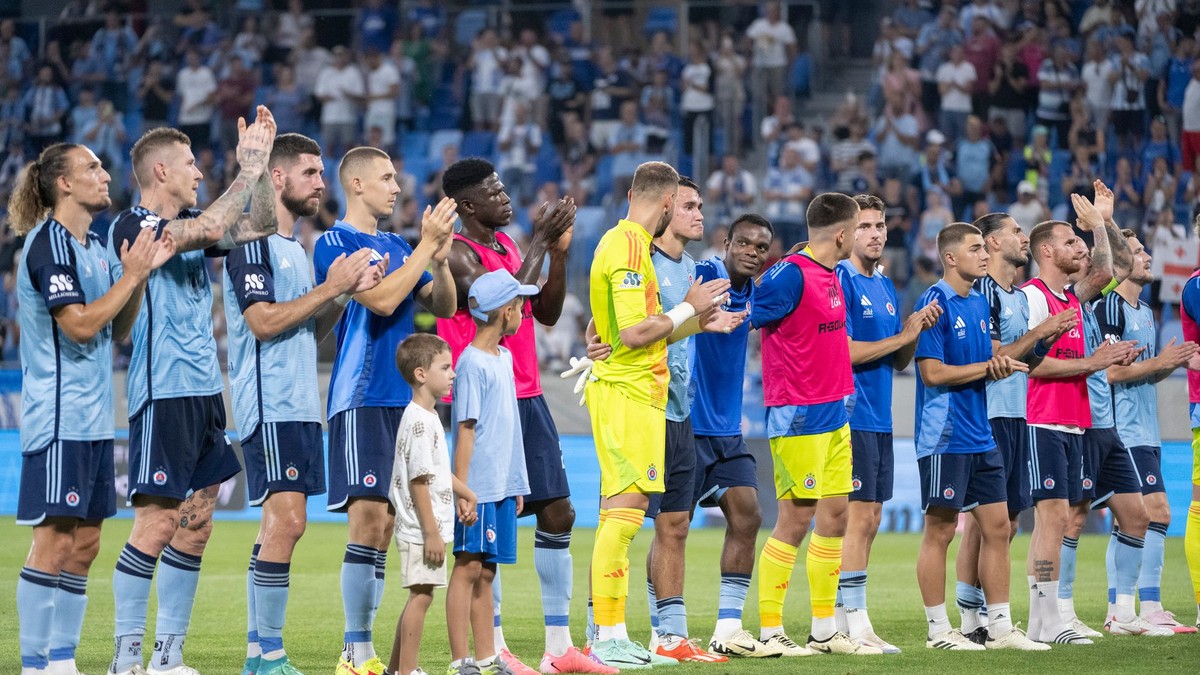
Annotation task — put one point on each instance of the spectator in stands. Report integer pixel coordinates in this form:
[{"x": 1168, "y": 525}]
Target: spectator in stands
[
  {"x": 286, "y": 100},
  {"x": 199, "y": 29},
  {"x": 774, "y": 48},
  {"x": 660, "y": 57},
  {"x": 339, "y": 89},
  {"x": 806, "y": 144},
  {"x": 235, "y": 95},
  {"x": 843, "y": 156},
  {"x": 974, "y": 157},
  {"x": 406, "y": 92},
  {"x": 17, "y": 48},
  {"x": 515, "y": 90},
  {"x": 1096, "y": 86},
  {"x": 519, "y": 142},
  {"x": 404, "y": 178},
  {"x": 13, "y": 162},
  {"x": 956, "y": 81},
  {"x": 910, "y": 17},
  {"x": 1158, "y": 44},
  {"x": 535, "y": 65},
  {"x": 310, "y": 60},
  {"x": 731, "y": 189},
  {"x": 383, "y": 87},
  {"x": 985, "y": 9},
  {"x": 565, "y": 97},
  {"x": 1173, "y": 85},
  {"x": 730, "y": 93},
  {"x": 658, "y": 101},
  {"x": 611, "y": 87},
  {"x": 933, "y": 49},
  {"x": 1009, "y": 89},
  {"x": 433, "y": 183},
  {"x": 934, "y": 219},
  {"x": 155, "y": 91},
  {"x": 1190, "y": 116},
  {"x": 897, "y": 215},
  {"x": 889, "y": 43},
  {"x": 696, "y": 100},
  {"x": 771, "y": 130},
  {"x": 62, "y": 71},
  {"x": 1128, "y": 75},
  {"x": 982, "y": 50},
  {"x": 376, "y": 24},
  {"x": 12, "y": 118},
  {"x": 1157, "y": 145},
  {"x": 786, "y": 191},
  {"x": 627, "y": 145},
  {"x": 579, "y": 51},
  {"x": 486, "y": 64},
  {"x": 1161, "y": 190},
  {"x": 1038, "y": 156},
  {"x": 46, "y": 106},
  {"x": 1127, "y": 193},
  {"x": 113, "y": 47},
  {"x": 197, "y": 89},
  {"x": 83, "y": 114},
  {"x": 1058, "y": 79},
  {"x": 934, "y": 170},
  {"x": 106, "y": 138},
  {"x": 1101, "y": 13},
  {"x": 897, "y": 134},
  {"x": 1028, "y": 210},
  {"x": 290, "y": 27},
  {"x": 1079, "y": 180},
  {"x": 714, "y": 239},
  {"x": 1084, "y": 135},
  {"x": 250, "y": 43},
  {"x": 578, "y": 158},
  {"x": 427, "y": 15}
]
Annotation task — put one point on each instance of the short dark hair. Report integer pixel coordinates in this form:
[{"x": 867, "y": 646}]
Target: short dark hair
[
  {"x": 1129, "y": 234},
  {"x": 418, "y": 351},
  {"x": 990, "y": 222},
  {"x": 355, "y": 160},
  {"x": 830, "y": 208},
  {"x": 869, "y": 203},
  {"x": 1042, "y": 232},
  {"x": 465, "y": 174},
  {"x": 687, "y": 182},
  {"x": 953, "y": 235},
  {"x": 750, "y": 220},
  {"x": 289, "y": 147}
]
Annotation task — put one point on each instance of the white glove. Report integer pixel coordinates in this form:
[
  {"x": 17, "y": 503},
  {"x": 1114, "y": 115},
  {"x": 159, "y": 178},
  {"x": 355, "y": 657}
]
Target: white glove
[{"x": 582, "y": 366}]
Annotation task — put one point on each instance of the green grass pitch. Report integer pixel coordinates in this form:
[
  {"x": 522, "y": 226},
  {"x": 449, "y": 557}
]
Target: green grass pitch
[{"x": 314, "y": 629}]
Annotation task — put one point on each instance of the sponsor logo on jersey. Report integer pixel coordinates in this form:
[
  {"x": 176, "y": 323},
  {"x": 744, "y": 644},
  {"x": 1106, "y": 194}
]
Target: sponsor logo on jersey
[
  {"x": 632, "y": 280},
  {"x": 285, "y": 264},
  {"x": 59, "y": 284},
  {"x": 960, "y": 327},
  {"x": 150, "y": 220},
  {"x": 835, "y": 298},
  {"x": 255, "y": 283},
  {"x": 831, "y": 326}
]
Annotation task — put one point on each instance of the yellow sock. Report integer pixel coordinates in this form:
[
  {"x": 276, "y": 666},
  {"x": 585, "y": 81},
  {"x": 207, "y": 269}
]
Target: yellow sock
[
  {"x": 1191, "y": 546},
  {"x": 610, "y": 564},
  {"x": 603, "y": 517},
  {"x": 823, "y": 564},
  {"x": 774, "y": 571}
]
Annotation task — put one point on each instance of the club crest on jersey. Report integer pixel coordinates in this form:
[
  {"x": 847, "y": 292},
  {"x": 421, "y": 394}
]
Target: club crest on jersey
[
  {"x": 856, "y": 484},
  {"x": 369, "y": 480},
  {"x": 652, "y": 473},
  {"x": 72, "y": 498},
  {"x": 490, "y": 534},
  {"x": 1048, "y": 483},
  {"x": 160, "y": 477},
  {"x": 1151, "y": 479},
  {"x": 891, "y": 309},
  {"x": 1087, "y": 483},
  {"x": 632, "y": 280},
  {"x": 810, "y": 482},
  {"x": 983, "y": 325},
  {"x": 292, "y": 473},
  {"x": 835, "y": 298},
  {"x": 948, "y": 492}
]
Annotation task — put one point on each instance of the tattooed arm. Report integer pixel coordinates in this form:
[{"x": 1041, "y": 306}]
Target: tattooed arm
[{"x": 259, "y": 223}]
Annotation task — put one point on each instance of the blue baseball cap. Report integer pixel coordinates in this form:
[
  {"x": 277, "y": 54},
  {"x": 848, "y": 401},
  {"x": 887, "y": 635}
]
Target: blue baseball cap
[{"x": 494, "y": 290}]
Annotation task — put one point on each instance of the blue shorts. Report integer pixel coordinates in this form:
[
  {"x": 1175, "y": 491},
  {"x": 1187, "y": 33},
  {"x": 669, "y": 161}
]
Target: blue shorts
[
  {"x": 1055, "y": 465},
  {"x": 68, "y": 479},
  {"x": 1147, "y": 461},
  {"x": 1012, "y": 439},
  {"x": 1114, "y": 471},
  {"x": 362, "y": 448},
  {"x": 679, "y": 480},
  {"x": 722, "y": 462},
  {"x": 873, "y": 466},
  {"x": 493, "y": 536},
  {"x": 543, "y": 452},
  {"x": 962, "y": 482},
  {"x": 178, "y": 446},
  {"x": 284, "y": 457}
]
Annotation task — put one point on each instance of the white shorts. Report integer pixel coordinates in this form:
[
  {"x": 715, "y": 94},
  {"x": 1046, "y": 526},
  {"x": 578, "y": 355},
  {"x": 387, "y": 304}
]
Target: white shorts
[{"x": 414, "y": 571}]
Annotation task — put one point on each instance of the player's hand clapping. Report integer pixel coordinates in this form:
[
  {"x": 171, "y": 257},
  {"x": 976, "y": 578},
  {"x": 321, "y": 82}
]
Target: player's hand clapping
[
  {"x": 1000, "y": 367},
  {"x": 704, "y": 296},
  {"x": 146, "y": 254},
  {"x": 1104, "y": 200},
  {"x": 255, "y": 141},
  {"x": 1089, "y": 217},
  {"x": 921, "y": 320},
  {"x": 720, "y": 321},
  {"x": 373, "y": 274},
  {"x": 554, "y": 222},
  {"x": 1110, "y": 353},
  {"x": 1175, "y": 355},
  {"x": 437, "y": 227},
  {"x": 1058, "y": 325},
  {"x": 346, "y": 271}
]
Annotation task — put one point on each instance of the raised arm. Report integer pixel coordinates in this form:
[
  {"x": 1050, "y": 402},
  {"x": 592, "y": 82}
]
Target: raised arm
[
  {"x": 1101, "y": 272},
  {"x": 437, "y": 227}
]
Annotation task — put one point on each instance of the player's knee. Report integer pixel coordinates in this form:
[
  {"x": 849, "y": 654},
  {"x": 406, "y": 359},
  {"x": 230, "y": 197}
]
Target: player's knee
[
  {"x": 152, "y": 531},
  {"x": 557, "y": 517},
  {"x": 672, "y": 529},
  {"x": 745, "y": 523},
  {"x": 287, "y": 527},
  {"x": 87, "y": 547}
]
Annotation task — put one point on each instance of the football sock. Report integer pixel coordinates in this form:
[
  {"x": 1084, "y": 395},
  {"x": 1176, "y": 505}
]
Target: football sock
[
  {"x": 1066, "y": 577},
  {"x": 552, "y": 560},
  {"x": 1127, "y": 561},
  {"x": 672, "y": 616},
  {"x": 734, "y": 588},
  {"x": 35, "y": 611},
  {"x": 176, "y": 591},
  {"x": 380, "y": 574},
  {"x": 70, "y": 604},
  {"x": 131, "y": 595},
  {"x": 1110, "y": 568},
  {"x": 252, "y": 648},
  {"x": 999, "y": 620},
  {"x": 937, "y": 619},
  {"x": 358, "y": 596},
  {"x": 852, "y": 592},
  {"x": 1152, "y": 563},
  {"x": 822, "y": 563},
  {"x": 652, "y": 604},
  {"x": 1035, "y": 609},
  {"x": 969, "y": 599},
  {"x": 271, "y": 581},
  {"x": 1191, "y": 546},
  {"x": 610, "y": 568},
  {"x": 497, "y": 622},
  {"x": 775, "y": 565}
]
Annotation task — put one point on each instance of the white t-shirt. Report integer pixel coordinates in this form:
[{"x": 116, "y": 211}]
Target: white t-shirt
[
  {"x": 341, "y": 85},
  {"x": 1096, "y": 88},
  {"x": 380, "y": 82},
  {"x": 962, "y": 75},
  {"x": 1191, "y": 106},
  {"x": 194, "y": 86},
  {"x": 696, "y": 100},
  {"x": 522, "y": 154},
  {"x": 421, "y": 450},
  {"x": 770, "y": 42},
  {"x": 485, "y": 78},
  {"x": 1027, "y": 215}
]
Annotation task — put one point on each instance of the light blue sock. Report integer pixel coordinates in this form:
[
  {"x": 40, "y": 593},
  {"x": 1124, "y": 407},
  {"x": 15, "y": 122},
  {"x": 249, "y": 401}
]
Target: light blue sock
[
  {"x": 1152, "y": 563},
  {"x": 852, "y": 586},
  {"x": 251, "y": 609},
  {"x": 652, "y": 604},
  {"x": 1066, "y": 575},
  {"x": 35, "y": 612},
  {"x": 271, "y": 580},
  {"x": 968, "y": 596},
  {"x": 131, "y": 595},
  {"x": 358, "y": 591},
  {"x": 1110, "y": 565},
  {"x": 590, "y": 631},
  {"x": 497, "y": 597},
  {"x": 70, "y": 605},
  {"x": 380, "y": 573},
  {"x": 1128, "y": 559},
  {"x": 734, "y": 588},
  {"x": 672, "y": 616},
  {"x": 176, "y": 590},
  {"x": 552, "y": 560}
]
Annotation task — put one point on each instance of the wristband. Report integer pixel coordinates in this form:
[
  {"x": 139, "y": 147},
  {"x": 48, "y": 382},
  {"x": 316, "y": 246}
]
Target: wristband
[
  {"x": 679, "y": 314},
  {"x": 343, "y": 299},
  {"x": 1112, "y": 284},
  {"x": 1040, "y": 350}
]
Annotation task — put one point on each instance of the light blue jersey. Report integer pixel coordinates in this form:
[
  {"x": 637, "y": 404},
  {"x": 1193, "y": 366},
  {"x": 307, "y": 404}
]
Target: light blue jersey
[
  {"x": 174, "y": 351},
  {"x": 485, "y": 391},
  {"x": 675, "y": 277},
  {"x": 1008, "y": 322},
  {"x": 66, "y": 387},
  {"x": 1099, "y": 393},
  {"x": 273, "y": 380},
  {"x": 1135, "y": 404},
  {"x": 364, "y": 370}
]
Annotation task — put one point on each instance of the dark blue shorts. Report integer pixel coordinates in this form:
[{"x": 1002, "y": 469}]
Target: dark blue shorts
[
  {"x": 543, "y": 453},
  {"x": 1012, "y": 439},
  {"x": 362, "y": 448},
  {"x": 962, "y": 482},
  {"x": 1114, "y": 473},
  {"x": 722, "y": 462},
  {"x": 1055, "y": 465},
  {"x": 680, "y": 479},
  {"x": 178, "y": 446},
  {"x": 1147, "y": 461},
  {"x": 493, "y": 536},
  {"x": 68, "y": 479},
  {"x": 284, "y": 457},
  {"x": 873, "y": 466}
]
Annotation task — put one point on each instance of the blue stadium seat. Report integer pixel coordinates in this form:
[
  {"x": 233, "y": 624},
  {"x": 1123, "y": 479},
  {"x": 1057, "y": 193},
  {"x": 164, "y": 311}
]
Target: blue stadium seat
[
  {"x": 801, "y": 75},
  {"x": 549, "y": 168},
  {"x": 468, "y": 24},
  {"x": 415, "y": 144},
  {"x": 478, "y": 144},
  {"x": 439, "y": 140},
  {"x": 559, "y": 23},
  {"x": 1016, "y": 170},
  {"x": 604, "y": 180},
  {"x": 1060, "y": 165},
  {"x": 662, "y": 19}
]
